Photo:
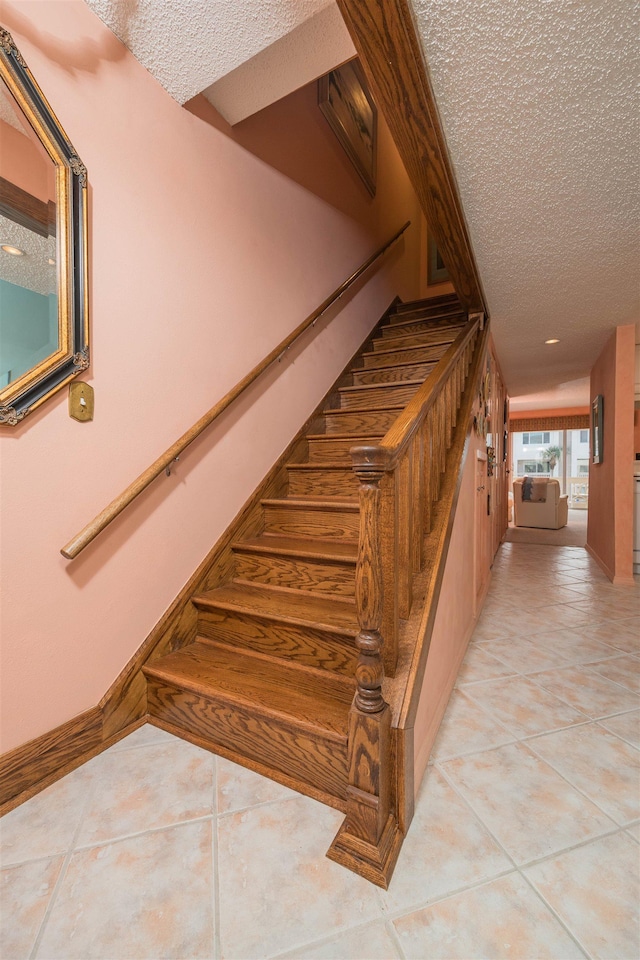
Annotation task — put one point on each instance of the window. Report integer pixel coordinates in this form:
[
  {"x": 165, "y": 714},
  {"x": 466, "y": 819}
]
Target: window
[
  {"x": 532, "y": 439},
  {"x": 584, "y": 436},
  {"x": 532, "y": 466}
]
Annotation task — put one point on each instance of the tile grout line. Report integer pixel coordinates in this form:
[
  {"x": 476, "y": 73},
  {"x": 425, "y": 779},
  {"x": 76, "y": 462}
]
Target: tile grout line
[
  {"x": 554, "y": 912},
  {"x": 217, "y": 933},
  {"x": 63, "y": 870},
  {"x": 579, "y": 790},
  {"x": 394, "y": 936}
]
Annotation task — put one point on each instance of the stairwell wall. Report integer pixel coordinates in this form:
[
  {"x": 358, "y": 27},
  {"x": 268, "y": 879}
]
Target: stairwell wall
[
  {"x": 203, "y": 256},
  {"x": 476, "y": 535},
  {"x": 610, "y": 519}
]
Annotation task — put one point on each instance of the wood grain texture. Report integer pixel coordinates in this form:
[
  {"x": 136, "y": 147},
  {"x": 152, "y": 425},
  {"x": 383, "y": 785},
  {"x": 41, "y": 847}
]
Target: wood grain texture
[
  {"x": 391, "y": 56},
  {"x": 400, "y": 371},
  {"x": 375, "y": 395},
  {"x": 389, "y": 358},
  {"x": 370, "y": 839},
  {"x": 360, "y": 421},
  {"x": 328, "y": 519},
  {"x": 409, "y": 328},
  {"x": 55, "y": 753},
  {"x": 326, "y": 480}
]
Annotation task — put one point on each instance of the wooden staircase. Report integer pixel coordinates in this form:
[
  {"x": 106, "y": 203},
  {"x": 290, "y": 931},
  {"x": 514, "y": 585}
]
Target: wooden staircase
[{"x": 270, "y": 678}]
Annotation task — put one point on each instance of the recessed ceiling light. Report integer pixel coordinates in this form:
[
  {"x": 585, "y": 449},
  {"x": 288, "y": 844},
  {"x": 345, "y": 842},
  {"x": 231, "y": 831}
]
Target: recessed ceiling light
[
  {"x": 552, "y": 341},
  {"x": 14, "y": 251}
]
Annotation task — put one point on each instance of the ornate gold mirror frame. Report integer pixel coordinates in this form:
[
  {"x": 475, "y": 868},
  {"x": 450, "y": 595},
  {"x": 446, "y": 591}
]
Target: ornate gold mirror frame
[{"x": 67, "y": 230}]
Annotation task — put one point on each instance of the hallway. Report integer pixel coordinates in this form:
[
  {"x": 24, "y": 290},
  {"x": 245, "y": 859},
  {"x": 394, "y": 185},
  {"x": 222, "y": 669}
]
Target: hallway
[{"x": 525, "y": 842}]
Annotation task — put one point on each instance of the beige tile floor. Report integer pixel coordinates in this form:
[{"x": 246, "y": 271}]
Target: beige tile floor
[{"x": 525, "y": 843}]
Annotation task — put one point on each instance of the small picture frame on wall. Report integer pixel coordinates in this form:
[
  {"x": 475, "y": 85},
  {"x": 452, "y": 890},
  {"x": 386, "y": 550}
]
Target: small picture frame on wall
[
  {"x": 597, "y": 429},
  {"x": 436, "y": 269},
  {"x": 345, "y": 100}
]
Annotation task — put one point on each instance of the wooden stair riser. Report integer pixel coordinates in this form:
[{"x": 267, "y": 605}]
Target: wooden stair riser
[
  {"x": 428, "y": 339},
  {"x": 297, "y": 521},
  {"x": 297, "y": 573},
  {"x": 323, "y": 482},
  {"x": 405, "y": 371},
  {"x": 360, "y": 421},
  {"x": 406, "y": 355},
  {"x": 376, "y": 396},
  {"x": 305, "y": 645},
  {"x": 252, "y": 734},
  {"x": 413, "y": 327},
  {"x": 434, "y": 313},
  {"x": 332, "y": 451}
]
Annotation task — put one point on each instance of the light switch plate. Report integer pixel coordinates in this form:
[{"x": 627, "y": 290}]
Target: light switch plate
[{"x": 81, "y": 401}]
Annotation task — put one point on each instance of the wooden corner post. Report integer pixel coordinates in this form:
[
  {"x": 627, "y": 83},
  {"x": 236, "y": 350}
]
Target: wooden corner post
[{"x": 369, "y": 840}]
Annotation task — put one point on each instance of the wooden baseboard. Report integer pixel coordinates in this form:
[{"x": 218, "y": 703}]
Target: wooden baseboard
[{"x": 37, "y": 764}]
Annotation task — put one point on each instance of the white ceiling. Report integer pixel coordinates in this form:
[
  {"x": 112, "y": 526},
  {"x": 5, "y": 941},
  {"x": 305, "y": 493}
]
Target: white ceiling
[
  {"x": 538, "y": 102},
  {"x": 539, "y": 106},
  {"x": 189, "y": 44}
]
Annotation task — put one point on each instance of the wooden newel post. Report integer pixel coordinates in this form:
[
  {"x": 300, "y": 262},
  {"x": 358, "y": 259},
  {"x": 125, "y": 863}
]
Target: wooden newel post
[{"x": 369, "y": 839}]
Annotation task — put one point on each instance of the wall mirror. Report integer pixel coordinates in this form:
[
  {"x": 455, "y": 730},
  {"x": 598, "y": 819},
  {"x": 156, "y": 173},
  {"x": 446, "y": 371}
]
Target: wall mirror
[{"x": 44, "y": 339}]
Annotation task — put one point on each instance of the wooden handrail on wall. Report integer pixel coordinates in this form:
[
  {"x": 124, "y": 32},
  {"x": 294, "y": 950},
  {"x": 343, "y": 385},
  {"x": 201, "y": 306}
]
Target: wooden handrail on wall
[
  {"x": 399, "y": 483},
  {"x": 104, "y": 518}
]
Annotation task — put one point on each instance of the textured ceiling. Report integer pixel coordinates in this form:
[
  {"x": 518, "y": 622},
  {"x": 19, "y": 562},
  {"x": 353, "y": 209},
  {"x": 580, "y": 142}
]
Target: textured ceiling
[
  {"x": 32, "y": 270},
  {"x": 539, "y": 105},
  {"x": 189, "y": 44},
  {"x": 538, "y": 102}
]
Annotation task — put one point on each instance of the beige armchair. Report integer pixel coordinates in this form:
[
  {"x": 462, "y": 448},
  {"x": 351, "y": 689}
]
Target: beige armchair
[{"x": 551, "y": 515}]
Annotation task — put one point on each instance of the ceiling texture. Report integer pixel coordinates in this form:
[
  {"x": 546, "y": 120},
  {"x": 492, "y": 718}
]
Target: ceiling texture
[{"x": 538, "y": 102}]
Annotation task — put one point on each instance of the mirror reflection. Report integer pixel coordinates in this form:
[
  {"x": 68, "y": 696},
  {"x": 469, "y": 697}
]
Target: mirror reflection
[
  {"x": 28, "y": 294},
  {"x": 44, "y": 324}
]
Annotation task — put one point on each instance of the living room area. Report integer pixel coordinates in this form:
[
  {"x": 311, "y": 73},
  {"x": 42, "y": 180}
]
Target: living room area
[{"x": 549, "y": 496}]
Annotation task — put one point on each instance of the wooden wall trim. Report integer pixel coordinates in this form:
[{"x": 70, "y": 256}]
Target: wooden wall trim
[
  {"x": 46, "y": 758},
  {"x": 578, "y": 421},
  {"x": 384, "y": 35}
]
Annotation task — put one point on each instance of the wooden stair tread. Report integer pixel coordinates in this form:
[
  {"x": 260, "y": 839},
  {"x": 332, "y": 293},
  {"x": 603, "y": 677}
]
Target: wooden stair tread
[
  {"x": 274, "y": 689},
  {"x": 381, "y": 354},
  {"x": 320, "y": 464},
  {"x": 283, "y": 604},
  {"x": 319, "y": 503},
  {"x": 398, "y": 344},
  {"x": 333, "y": 410},
  {"x": 381, "y": 386},
  {"x": 437, "y": 327},
  {"x": 316, "y": 549},
  {"x": 404, "y": 363},
  {"x": 356, "y": 437}
]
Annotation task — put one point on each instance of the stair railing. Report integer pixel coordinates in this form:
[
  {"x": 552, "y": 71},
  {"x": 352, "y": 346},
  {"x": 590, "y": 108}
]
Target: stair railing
[
  {"x": 399, "y": 482},
  {"x": 163, "y": 463}
]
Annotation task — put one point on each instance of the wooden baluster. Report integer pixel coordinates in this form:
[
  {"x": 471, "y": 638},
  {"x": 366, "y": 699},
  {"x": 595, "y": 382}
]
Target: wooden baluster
[
  {"x": 427, "y": 441},
  {"x": 405, "y": 523},
  {"x": 417, "y": 484},
  {"x": 369, "y": 839}
]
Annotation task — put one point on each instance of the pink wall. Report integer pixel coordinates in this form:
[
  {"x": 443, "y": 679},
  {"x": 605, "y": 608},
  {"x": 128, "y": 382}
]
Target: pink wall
[
  {"x": 454, "y": 622},
  {"x": 203, "y": 256},
  {"x": 610, "y": 522}
]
